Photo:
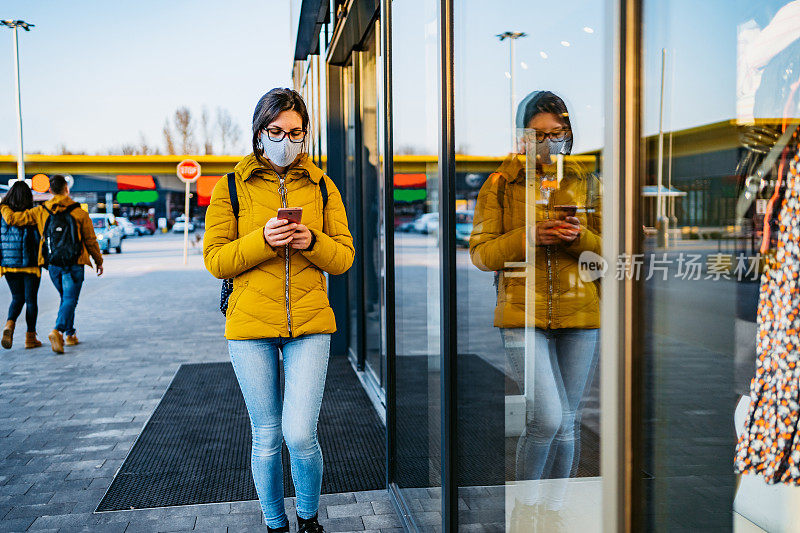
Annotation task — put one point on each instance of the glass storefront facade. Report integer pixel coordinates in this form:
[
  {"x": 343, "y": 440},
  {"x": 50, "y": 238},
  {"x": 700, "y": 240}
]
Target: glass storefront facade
[{"x": 565, "y": 219}]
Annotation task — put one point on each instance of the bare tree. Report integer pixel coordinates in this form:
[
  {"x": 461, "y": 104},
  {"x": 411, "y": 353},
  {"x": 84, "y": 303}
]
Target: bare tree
[
  {"x": 229, "y": 131},
  {"x": 407, "y": 149},
  {"x": 63, "y": 150},
  {"x": 169, "y": 139},
  {"x": 208, "y": 144},
  {"x": 144, "y": 148},
  {"x": 184, "y": 126},
  {"x": 128, "y": 149}
]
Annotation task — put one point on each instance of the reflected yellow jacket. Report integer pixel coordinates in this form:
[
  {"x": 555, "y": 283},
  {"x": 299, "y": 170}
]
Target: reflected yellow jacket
[
  {"x": 275, "y": 295},
  {"x": 561, "y": 299}
]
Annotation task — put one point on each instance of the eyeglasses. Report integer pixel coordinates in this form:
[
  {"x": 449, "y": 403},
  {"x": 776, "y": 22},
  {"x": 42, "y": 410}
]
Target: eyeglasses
[
  {"x": 276, "y": 134},
  {"x": 555, "y": 135}
]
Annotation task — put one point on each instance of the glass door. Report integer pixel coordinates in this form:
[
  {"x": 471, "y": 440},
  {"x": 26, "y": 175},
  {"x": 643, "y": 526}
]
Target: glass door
[
  {"x": 417, "y": 461},
  {"x": 526, "y": 235},
  {"x": 719, "y": 268},
  {"x": 372, "y": 208},
  {"x": 353, "y": 205}
]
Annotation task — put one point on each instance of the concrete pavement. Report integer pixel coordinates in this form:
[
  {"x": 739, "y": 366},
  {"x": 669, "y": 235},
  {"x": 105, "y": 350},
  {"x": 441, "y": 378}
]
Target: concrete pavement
[{"x": 67, "y": 422}]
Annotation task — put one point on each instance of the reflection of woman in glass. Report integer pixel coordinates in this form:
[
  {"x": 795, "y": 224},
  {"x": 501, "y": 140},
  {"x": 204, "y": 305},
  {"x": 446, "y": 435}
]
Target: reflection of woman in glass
[{"x": 566, "y": 307}]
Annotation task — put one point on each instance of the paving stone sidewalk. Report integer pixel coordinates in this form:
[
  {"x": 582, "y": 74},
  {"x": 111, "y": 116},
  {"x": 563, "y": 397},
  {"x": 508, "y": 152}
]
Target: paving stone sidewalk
[{"x": 67, "y": 422}]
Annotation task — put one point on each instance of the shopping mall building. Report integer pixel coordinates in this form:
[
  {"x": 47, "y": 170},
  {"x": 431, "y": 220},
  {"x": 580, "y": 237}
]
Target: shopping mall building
[{"x": 571, "y": 334}]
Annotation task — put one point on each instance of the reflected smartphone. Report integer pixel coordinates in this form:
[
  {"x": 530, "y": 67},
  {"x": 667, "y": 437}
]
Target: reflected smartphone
[
  {"x": 292, "y": 214},
  {"x": 564, "y": 211}
]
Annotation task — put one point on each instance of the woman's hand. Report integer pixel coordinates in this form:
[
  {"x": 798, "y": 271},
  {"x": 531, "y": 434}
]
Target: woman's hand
[
  {"x": 547, "y": 232},
  {"x": 302, "y": 237},
  {"x": 569, "y": 229},
  {"x": 279, "y": 232}
]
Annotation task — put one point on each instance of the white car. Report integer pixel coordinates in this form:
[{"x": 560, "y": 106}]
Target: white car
[
  {"x": 426, "y": 223},
  {"x": 179, "y": 225},
  {"x": 108, "y": 231},
  {"x": 129, "y": 228}
]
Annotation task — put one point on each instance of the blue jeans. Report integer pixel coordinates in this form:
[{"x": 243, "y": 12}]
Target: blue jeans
[
  {"x": 68, "y": 282},
  {"x": 305, "y": 366},
  {"x": 564, "y": 362}
]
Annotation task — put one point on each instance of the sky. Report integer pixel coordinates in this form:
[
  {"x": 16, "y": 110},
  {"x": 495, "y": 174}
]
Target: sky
[
  {"x": 700, "y": 79},
  {"x": 96, "y": 74}
]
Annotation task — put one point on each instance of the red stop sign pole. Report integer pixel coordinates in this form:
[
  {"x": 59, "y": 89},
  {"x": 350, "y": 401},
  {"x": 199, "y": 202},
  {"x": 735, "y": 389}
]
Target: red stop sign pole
[{"x": 188, "y": 172}]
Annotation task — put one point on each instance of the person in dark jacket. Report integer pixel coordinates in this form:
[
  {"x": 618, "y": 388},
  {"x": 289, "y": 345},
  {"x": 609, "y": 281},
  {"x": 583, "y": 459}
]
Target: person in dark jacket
[{"x": 19, "y": 264}]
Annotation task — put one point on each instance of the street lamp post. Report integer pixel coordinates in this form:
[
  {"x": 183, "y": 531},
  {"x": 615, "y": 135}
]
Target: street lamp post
[
  {"x": 511, "y": 36},
  {"x": 14, "y": 25}
]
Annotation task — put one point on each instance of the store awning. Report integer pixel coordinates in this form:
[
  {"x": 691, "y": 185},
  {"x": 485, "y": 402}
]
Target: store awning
[
  {"x": 205, "y": 186},
  {"x": 313, "y": 14},
  {"x": 410, "y": 181},
  {"x": 129, "y": 182}
]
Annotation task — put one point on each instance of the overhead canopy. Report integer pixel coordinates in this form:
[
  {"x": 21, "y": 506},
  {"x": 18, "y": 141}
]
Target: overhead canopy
[{"x": 313, "y": 14}]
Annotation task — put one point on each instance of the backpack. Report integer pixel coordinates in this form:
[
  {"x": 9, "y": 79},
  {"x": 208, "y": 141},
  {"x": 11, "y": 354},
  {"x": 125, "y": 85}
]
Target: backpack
[
  {"x": 227, "y": 284},
  {"x": 62, "y": 242}
]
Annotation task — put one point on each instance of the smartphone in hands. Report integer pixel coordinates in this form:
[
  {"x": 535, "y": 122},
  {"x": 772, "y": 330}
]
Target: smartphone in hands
[{"x": 292, "y": 214}]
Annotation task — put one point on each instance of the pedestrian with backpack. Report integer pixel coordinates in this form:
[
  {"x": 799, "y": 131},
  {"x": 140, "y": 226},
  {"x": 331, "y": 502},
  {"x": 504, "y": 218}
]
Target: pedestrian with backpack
[
  {"x": 68, "y": 240},
  {"x": 19, "y": 264},
  {"x": 274, "y": 227}
]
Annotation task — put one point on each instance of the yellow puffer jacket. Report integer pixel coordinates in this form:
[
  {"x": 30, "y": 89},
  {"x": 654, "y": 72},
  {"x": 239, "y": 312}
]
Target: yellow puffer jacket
[
  {"x": 275, "y": 294},
  {"x": 561, "y": 299}
]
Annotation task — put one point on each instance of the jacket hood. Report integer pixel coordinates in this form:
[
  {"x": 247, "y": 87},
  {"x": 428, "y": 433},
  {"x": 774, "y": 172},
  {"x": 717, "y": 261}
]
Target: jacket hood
[
  {"x": 59, "y": 202},
  {"x": 531, "y": 100},
  {"x": 250, "y": 165}
]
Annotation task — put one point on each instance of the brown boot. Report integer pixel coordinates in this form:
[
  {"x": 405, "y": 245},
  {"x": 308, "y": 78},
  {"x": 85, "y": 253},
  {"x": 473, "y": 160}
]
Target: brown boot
[
  {"x": 72, "y": 340},
  {"x": 31, "y": 341},
  {"x": 8, "y": 335},
  {"x": 56, "y": 341}
]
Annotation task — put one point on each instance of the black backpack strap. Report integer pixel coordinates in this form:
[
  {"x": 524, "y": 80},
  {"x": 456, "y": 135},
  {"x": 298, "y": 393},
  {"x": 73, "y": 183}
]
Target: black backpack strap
[
  {"x": 323, "y": 187},
  {"x": 72, "y": 207},
  {"x": 234, "y": 196}
]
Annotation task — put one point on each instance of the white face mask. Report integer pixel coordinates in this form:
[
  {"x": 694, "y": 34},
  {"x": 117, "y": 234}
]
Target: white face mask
[{"x": 281, "y": 153}]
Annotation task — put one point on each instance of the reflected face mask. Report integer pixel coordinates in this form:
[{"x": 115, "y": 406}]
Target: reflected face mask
[
  {"x": 282, "y": 153},
  {"x": 549, "y": 147}
]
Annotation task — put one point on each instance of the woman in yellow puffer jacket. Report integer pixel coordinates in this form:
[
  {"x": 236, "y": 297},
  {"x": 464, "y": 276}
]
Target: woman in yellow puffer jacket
[
  {"x": 562, "y": 313},
  {"x": 279, "y": 301}
]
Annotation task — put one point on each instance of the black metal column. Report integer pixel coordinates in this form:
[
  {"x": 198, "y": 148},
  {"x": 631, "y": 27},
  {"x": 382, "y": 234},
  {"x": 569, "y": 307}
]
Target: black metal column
[{"x": 447, "y": 254}]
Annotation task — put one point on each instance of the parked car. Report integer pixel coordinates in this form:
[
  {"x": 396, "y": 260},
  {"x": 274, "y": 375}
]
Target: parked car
[
  {"x": 405, "y": 227},
  {"x": 463, "y": 227},
  {"x": 426, "y": 223},
  {"x": 179, "y": 225},
  {"x": 128, "y": 228},
  {"x": 145, "y": 226},
  {"x": 108, "y": 231}
]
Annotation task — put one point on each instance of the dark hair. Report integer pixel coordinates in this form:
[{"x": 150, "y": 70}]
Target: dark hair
[
  {"x": 542, "y": 102},
  {"x": 58, "y": 184},
  {"x": 269, "y": 107},
  {"x": 19, "y": 197}
]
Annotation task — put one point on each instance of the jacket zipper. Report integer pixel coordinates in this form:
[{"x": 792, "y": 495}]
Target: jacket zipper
[
  {"x": 282, "y": 191},
  {"x": 548, "y": 255}
]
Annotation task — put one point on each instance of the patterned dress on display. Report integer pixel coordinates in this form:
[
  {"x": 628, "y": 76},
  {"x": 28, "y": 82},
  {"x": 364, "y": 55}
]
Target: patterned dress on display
[{"x": 770, "y": 443}]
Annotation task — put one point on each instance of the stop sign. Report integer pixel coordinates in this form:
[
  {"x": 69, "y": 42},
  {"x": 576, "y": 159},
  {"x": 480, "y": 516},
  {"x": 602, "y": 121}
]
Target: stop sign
[{"x": 188, "y": 170}]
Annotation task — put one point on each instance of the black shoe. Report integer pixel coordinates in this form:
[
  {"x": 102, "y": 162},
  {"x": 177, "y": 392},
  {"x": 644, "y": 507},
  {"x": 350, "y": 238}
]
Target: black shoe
[
  {"x": 284, "y": 529},
  {"x": 309, "y": 525}
]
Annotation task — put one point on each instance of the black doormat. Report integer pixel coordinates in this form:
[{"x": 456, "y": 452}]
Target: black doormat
[{"x": 196, "y": 446}]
